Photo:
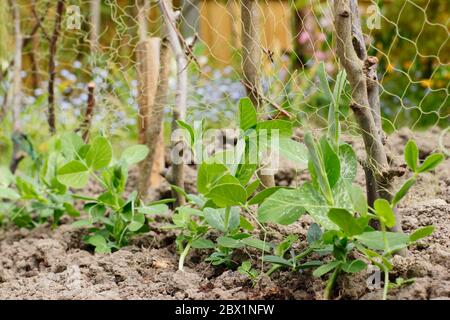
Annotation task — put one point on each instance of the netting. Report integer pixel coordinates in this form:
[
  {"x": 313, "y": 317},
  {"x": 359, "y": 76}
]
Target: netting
[{"x": 98, "y": 44}]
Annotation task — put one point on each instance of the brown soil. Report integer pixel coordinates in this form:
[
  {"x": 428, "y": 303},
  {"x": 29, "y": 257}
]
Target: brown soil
[{"x": 55, "y": 264}]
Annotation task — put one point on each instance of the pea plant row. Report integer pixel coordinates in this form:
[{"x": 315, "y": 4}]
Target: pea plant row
[{"x": 348, "y": 234}]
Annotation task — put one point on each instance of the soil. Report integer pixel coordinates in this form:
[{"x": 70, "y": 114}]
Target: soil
[{"x": 55, "y": 264}]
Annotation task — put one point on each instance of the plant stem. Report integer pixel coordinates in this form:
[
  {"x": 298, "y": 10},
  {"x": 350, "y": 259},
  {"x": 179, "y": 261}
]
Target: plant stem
[
  {"x": 330, "y": 283},
  {"x": 183, "y": 256},
  {"x": 386, "y": 283},
  {"x": 296, "y": 258}
]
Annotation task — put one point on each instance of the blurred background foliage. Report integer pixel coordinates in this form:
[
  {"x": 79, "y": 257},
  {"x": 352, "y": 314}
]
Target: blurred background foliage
[{"x": 411, "y": 45}]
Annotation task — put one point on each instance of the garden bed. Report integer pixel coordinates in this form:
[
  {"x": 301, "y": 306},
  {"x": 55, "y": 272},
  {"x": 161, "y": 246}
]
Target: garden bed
[{"x": 46, "y": 263}]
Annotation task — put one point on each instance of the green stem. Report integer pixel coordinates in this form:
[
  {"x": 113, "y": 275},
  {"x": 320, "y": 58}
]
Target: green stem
[
  {"x": 296, "y": 258},
  {"x": 183, "y": 256},
  {"x": 330, "y": 283},
  {"x": 386, "y": 283}
]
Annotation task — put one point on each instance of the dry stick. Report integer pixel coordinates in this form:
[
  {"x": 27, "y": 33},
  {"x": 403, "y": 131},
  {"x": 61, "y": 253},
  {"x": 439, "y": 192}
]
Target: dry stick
[
  {"x": 150, "y": 120},
  {"x": 251, "y": 63},
  {"x": 95, "y": 24},
  {"x": 51, "y": 66},
  {"x": 86, "y": 126},
  {"x": 154, "y": 130},
  {"x": 179, "y": 112},
  {"x": 353, "y": 57},
  {"x": 16, "y": 89}
]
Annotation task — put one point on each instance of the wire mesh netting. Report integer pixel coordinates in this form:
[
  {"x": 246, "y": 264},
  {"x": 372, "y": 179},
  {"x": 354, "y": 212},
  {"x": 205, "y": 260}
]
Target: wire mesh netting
[{"x": 98, "y": 40}]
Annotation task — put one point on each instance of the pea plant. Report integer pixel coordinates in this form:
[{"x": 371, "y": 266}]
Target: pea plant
[
  {"x": 36, "y": 196},
  {"x": 339, "y": 207},
  {"x": 112, "y": 217},
  {"x": 227, "y": 187}
]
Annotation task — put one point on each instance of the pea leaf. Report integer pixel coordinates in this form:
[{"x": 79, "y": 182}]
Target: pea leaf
[
  {"x": 135, "y": 154},
  {"x": 247, "y": 114},
  {"x": 403, "y": 191},
  {"x": 137, "y": 222},
  {"x": 216, "y": 219},
  {"x": 293, "y": 151},
  {"x": 384, "y": 210},
  {"x": 314, "y": 233},
  {"x": 354, "y": 266},
  {"x": 228, "y": 194},
  {"x": 374, "y": 240},
  {"x": 208, "y": 173},
  {"x": 421, "y": 233},
  {"x": 349, "y": 163},
  {"x": 346, "y": 221},
  {"x": 189, "y": 129},
  {"x": 324, "y": 269},
  {"x": 431, "y": 162},
  {"x": 411, "y": 155},
  {"x": 228, "y": 242},
  {"x": 203, "y": 244},
  {"x": 284, "y": 127},
  {"x": 73, "y": 174},
  {"x": 261, "y": 196},
  {"x": 257, "y": 243},
  {"x": 277, "y": 260},
  {"x": 100, "y": 153},
  {"x": 282, "y": 207},
  {"x": 331, "y": 162}
]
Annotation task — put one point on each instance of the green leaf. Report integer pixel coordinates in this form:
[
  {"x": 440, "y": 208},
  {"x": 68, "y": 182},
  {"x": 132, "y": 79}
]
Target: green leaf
[
  {"x": 189, "y": 129},
  {"x": 154, "y": 209},
  {"x": 261, "y": 196},
  {"x": 135, "y": 154},
  {"x": 74, "y": 174},
  {"x": 354, "y": 266},
  {"x": 208, "y": 174},
  {"x": 71, "y": 144},
  {"x": 137, "y": 222},
  {"x": 411, "y": 155},
  {"x": 349, "y": 163},
  {"x": 203, "y": 244},
  {"x": 281, "y": 207},
  {"x": 421, "y": 233},
  {"x": 251, "y": 188},
  {"x": 331, "y": 162},
  {"x": 228, "y": 242},
  {"x": 374, "y": 240},
  {"x": 431, "y": 162},
  {"x": 99, "y": 243},
  {"x": 245, "y": 224},
  {"x": 324, "y": 269},
  {"x": 314, "y": 233},
  {"x": 323, "y": 82},
  {"x": 247, "y": 114},
  {"x": 346, "y": 221},
  {"x": 319, "y": 172},
  {"x": 403, "y": 191},
  {"x": 277, "y": 260},
  {"x": 284, "y": 127},
  {"x": 8, "y": 193},
  {"x": 100, "y": 153},
  {"x": 293, "y": 151},
  {"x": 359, "y": 200},
  {"x": 384, "y": 210},
  {"x": 257, "y": 243},
  {"x": 216, "y": 218},
  {"x": 82, "y": 223},
  {"x": 228, "y": 194}
]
